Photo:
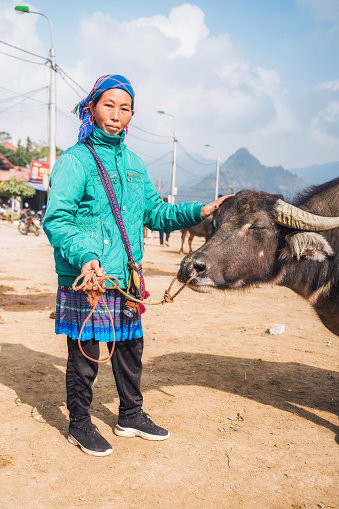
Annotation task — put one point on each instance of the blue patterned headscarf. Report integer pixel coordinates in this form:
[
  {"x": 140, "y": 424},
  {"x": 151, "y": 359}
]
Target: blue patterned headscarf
[{"x": 101, "y": 85}]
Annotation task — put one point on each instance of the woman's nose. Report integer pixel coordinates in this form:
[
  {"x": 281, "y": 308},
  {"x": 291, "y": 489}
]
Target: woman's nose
[{"x": 115, "y": 113}]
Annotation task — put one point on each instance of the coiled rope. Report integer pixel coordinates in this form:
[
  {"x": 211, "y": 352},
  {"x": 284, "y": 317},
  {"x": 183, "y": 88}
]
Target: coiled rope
[{"x": 95, "y": 287}]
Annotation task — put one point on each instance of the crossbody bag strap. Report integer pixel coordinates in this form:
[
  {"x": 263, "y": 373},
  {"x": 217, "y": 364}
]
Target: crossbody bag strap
[
  {"x": 106, "y": 181},
  {"x": 136, "y": 282}
]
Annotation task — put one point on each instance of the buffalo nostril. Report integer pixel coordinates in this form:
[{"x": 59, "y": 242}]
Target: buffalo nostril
[
  {"x": 199, "y": 266},
  {"x": 186, "y": 271}
]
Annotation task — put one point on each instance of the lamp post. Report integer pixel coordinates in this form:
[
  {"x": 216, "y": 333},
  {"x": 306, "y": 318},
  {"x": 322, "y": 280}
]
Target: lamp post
[
  {"x": 217, "y": 174},
  {"x": 52, "y": 145},
  {"x": 174, "y": 159}
]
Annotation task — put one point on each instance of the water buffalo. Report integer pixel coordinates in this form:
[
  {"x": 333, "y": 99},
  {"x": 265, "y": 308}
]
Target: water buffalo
[
  {"x": 203, "y": 229},
  {"x": 259, "y": 238}
]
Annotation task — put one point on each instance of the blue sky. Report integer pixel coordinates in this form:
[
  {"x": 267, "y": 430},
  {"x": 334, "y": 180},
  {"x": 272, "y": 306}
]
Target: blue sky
[{"x": 262, "y": 74}]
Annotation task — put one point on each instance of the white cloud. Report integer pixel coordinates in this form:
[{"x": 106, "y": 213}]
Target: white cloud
[
  {"x": 330, "y": 85},
  {"x": 184, "y": 24},
  {"x": 174, "y": 65}
]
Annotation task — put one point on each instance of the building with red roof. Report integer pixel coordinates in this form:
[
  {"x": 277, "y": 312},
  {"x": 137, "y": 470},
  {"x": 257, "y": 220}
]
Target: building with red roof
[{"x": 9, "y": 145}]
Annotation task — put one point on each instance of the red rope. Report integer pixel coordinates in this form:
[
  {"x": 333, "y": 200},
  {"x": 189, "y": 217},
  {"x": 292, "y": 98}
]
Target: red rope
[{"x": 94, "y": 287}]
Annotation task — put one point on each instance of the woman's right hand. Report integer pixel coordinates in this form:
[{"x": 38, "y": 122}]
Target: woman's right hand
[{"x": 93, "y": 265}]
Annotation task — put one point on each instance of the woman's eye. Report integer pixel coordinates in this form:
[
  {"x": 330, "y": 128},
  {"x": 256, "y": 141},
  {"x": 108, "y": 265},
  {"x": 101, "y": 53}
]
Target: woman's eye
[{"x": 257, "y": 228}]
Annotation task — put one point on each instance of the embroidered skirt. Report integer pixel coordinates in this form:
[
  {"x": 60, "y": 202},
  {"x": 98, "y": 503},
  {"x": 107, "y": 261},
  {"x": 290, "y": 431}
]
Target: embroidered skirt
[{"x": 72, "y": 309}]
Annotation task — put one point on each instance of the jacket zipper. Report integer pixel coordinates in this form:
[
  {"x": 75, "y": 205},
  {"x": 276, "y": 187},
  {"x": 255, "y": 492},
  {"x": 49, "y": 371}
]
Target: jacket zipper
[{"x": 129, "y": 175}]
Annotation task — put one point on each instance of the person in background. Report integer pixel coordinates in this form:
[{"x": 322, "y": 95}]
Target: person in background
[
  {"x": 167, "y": 234},
  {"x": 162, "y": 242}
]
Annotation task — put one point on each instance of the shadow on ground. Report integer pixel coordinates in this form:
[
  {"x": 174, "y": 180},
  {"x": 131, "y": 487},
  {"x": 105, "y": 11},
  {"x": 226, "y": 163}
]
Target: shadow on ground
[
  {"x": 39, "y": 383},
  {"x": 28, "y": 302}
]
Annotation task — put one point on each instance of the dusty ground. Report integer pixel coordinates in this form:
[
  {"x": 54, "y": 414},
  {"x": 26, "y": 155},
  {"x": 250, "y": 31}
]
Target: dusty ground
[{"x": 253, "y": 417}]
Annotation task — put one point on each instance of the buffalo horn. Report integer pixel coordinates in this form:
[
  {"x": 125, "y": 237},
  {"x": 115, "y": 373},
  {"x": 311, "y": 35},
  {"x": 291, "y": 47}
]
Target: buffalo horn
[{"x": 293, "y": 217}]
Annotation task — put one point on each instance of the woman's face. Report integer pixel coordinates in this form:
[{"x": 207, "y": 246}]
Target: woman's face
[{"x": 113, "y": 111}]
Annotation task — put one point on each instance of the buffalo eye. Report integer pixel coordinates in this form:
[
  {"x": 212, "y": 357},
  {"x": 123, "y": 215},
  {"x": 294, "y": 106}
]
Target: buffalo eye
[{"x": 257, "y": 228}]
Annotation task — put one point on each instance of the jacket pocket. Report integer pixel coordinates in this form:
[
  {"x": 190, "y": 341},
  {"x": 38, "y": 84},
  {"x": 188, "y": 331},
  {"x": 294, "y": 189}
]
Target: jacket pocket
[{"x": 134, "y": 177}]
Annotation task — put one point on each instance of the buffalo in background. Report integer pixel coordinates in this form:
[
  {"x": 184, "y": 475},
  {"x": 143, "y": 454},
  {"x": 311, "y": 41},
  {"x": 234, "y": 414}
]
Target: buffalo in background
[{"x": 202, "y": 229}]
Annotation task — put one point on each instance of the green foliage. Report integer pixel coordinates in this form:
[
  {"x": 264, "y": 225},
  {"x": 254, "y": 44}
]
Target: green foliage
[
  {"x": 25, "y": 154},
  {"x": 14, "y": 187},
  {"x": 4, "y": 136}
]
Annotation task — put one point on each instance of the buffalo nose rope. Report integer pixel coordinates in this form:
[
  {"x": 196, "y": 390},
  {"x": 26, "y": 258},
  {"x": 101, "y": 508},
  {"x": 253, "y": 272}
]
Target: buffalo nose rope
[{"x": 95, "y": 287}]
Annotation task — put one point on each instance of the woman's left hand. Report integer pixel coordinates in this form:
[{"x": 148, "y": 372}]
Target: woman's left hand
[{"x": 212, "y": 207}]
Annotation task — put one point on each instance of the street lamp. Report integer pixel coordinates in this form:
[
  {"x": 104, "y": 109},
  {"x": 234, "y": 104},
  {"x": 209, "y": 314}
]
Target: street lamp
[
  {"x": 52, "y": 146},
  {"x": 217, "y": 173},
  {"x": 174, "y": 159}
]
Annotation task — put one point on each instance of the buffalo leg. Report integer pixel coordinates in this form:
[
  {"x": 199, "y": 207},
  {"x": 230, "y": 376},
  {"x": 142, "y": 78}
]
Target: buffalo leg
[
  {"x": 183, "y": 235},
  {"x": 190, "y": 240}
]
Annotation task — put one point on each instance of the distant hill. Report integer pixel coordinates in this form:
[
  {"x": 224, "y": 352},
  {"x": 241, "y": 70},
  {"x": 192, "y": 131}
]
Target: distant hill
[
  {"x": 243, "y": 171},
  {"x": 317, "y": 173},
  {"x": 191, "y": 168}
]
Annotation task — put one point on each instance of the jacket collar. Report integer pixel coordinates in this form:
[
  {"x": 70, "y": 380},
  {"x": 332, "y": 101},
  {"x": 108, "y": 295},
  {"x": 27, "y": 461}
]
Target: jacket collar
[{"x": 99, "y": 137}]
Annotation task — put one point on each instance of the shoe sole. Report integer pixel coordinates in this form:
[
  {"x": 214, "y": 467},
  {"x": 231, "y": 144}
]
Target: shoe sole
[
  {"x": 73, "y": 441},
  {"x": 132, "y": 432}
]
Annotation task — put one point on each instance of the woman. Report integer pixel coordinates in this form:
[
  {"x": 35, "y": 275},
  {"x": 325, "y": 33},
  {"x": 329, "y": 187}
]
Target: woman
[{"x": 83, "y": 231}]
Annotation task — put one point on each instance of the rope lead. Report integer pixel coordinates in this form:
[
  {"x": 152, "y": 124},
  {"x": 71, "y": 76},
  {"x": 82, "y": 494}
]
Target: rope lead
[{"x": 95, "y": 287}]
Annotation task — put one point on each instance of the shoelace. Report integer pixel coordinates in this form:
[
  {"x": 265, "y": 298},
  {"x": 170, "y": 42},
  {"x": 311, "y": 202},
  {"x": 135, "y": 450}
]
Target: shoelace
[
  {"x": 147, "y": 418},
  {"x": 90, "y": 429}
]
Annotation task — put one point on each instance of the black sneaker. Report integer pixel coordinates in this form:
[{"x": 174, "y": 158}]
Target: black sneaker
[
  {"x": 90, "y": 440},
  {"x": 140, "y": 426}
]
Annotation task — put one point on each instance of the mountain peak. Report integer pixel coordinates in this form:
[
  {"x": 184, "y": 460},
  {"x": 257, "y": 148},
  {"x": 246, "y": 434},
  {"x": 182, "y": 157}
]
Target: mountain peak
[{"x": 242, "y": 158}]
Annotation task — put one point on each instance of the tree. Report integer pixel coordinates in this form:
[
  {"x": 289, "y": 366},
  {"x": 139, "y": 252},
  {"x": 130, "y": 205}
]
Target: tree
[
  {"x": 25, "y": 154},
  {"x": 4, "y": 136},
  {"x": 16, "y": 188}
]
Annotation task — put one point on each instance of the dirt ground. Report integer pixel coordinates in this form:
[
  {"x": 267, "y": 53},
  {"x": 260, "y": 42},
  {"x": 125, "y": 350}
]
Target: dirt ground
[{"x": 253, "y": 417}]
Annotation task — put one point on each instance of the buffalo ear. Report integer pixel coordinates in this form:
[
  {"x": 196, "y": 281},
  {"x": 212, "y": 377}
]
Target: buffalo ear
[{"x": 309, "y": 245}]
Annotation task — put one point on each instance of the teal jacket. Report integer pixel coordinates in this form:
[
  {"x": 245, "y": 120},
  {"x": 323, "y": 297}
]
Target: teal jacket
[{"x": 79, "y": 222}]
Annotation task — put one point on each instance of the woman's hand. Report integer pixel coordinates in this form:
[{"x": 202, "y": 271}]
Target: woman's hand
[
  {"x": 93, "y": 265},
  {"x": 212, "y": 207}
]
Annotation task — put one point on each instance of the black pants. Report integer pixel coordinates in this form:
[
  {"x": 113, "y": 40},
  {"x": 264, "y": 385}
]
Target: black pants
[
  {"x": 162, "y": 237},
  {"x": 81, "y": 373}
]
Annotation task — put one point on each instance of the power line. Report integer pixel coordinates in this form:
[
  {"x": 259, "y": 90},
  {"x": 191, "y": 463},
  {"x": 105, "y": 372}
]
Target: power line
[
  {"x": 191, "y": 157},
  {"x": 60, "y": 70},
  {"x": 47, "y": 60},
  {"x": 149, "y": 141},
  {"x": 26, "y": 96},
  {"x": 25, "y": 59},
  {"x": 63, "y": 78},
  {"x": 24, "y": 50},
  {"x": 148, "y": 132},
  {"x": 17, "y": 95},
  {"x": 159, "y": 159},
  {"x": 187, "y": 172},
  {"x": 68, "y": 116}
]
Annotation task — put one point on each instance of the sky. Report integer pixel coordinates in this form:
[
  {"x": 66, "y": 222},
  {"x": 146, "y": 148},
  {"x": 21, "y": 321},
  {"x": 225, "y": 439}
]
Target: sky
[{"x": 258, "y": 74}]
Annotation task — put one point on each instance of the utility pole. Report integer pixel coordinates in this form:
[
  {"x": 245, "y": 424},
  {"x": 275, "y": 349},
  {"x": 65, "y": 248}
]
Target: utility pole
[
  {"x": 216, "y": 191},
  {"x": 159, "y": 186},
  {"x": 171, "y": 198},
  {"x": 52, "y": 146},
  {"x": 174, "y": 167},
  {"x": 217, "y": 181}
]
